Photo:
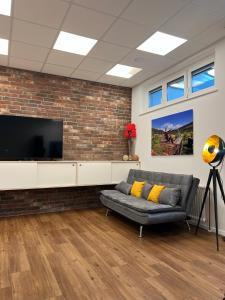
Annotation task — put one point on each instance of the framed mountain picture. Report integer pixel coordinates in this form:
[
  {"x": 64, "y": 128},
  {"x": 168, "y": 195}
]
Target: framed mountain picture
[{"x": 173, "y": 134}]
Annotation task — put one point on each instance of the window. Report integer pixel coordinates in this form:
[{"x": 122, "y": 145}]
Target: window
[
  {"x": 186, "y": 84},
  {"x": 203, "y": 78},
  {"x": 155, "y": 97},
  {"x": 175, "y": 89}
]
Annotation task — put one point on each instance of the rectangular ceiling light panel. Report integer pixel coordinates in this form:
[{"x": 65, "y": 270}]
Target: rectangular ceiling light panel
[
  {"x": 123, "y": 71},
  {"x": 161, "y": 43},
  {"x": 4, "y": 45},
  {"x": 73, "y": 43},
  {"x": 5, "y": 7}
]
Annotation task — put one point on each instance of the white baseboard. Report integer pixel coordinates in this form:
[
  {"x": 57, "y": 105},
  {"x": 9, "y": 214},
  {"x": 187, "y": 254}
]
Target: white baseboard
[
  {"x": 206, "y": 227},
  {"x": 213, "y": 229}
]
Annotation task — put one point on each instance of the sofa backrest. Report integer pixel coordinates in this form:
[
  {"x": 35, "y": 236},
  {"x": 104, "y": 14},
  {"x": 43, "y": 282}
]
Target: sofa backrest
[{"x": 184, "y": 182}]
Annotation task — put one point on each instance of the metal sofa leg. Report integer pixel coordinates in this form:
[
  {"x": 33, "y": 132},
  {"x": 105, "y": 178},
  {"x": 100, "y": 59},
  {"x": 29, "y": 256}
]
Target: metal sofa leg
[
  {"x": 140, "y": 231},
  {"x": 107, "y": 212},
  {"x": 188, "y": 225}
]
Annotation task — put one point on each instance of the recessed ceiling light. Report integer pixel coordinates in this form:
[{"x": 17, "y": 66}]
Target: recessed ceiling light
[
  {"x": 73, "y": 43},
  {"x": 4, "y": 45},
  {"x": 123, "y": 71},
  {"x": 5, "y": 7},
  {"x": 161, "y": 43}
]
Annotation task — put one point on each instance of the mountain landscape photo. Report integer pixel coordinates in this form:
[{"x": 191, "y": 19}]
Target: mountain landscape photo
[{"x": 173, "y": 134}]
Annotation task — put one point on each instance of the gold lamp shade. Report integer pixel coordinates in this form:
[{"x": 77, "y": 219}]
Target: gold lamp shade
[{"x": 213, "y": 150}]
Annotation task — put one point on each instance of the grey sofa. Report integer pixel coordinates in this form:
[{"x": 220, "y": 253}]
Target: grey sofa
[{"x": 146, "y": 212}]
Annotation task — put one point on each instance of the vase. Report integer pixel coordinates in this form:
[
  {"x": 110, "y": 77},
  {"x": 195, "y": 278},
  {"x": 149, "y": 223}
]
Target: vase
[{"x": 131, "y": 147}]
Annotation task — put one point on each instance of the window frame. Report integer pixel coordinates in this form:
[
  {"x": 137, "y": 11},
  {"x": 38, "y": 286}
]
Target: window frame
[{"x": 203, "y": 64}]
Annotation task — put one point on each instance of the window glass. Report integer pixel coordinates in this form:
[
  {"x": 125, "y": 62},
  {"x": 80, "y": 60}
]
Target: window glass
[
  {"x": 155, "y": 97},
  {"x": 175, "y": 89},
  {"x": 203, "y": 78}
]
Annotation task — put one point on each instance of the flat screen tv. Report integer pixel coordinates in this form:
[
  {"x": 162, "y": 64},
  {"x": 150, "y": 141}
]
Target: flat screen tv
[{"x": 27, "y": 138}]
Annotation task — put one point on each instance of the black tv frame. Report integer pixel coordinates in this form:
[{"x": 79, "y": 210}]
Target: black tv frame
[{"x": 44, "y": 157}]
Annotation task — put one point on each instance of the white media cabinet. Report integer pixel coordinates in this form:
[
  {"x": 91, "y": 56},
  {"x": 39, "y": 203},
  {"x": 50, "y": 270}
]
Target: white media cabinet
[{"x": 19, "y": 175}]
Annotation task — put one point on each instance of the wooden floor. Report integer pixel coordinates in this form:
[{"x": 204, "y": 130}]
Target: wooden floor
[{"x": 85, "y": 255}]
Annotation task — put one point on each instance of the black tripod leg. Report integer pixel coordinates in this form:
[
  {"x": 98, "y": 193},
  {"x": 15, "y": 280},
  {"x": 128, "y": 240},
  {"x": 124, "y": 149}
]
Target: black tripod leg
[
  {"x": 220, "y": 185},
  {"x": 215, "y": 207},
  {"x": 204, "y": 199},
  {"x": 209, "y": 210}
]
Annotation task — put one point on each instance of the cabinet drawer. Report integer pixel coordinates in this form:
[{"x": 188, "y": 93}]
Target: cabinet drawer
[
  {"x": 56, "y": 174},
  {"x": 18, "y": 175},
  {"x": 94, "y": 173}
]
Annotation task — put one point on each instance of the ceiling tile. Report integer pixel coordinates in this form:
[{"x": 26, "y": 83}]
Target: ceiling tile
[
  {"x": 114, "y": 7},
  {"x": 190, "y": 21},
  {"x": 4, "y": 27},
  {"x": 210, "y": 35},
  {"x": 64, "y": 59},
  {"x": 140, "y": 77},
  {"x": 152, "y": 13},
  {"x": 111, "y": 80},
  {"x": 217, "y": 6},
  {"x": 57, "y": 70},
  {"x": 33, "y": 34},
  {"x": 127, "y": 34},
  {"x": 21, "y": 63},
  {"x": 95, "y": 65},
  {"x": 83, "y": 74},
  {"x": 147, "y": 61},
  {"x": 22, "y": 50},
  {"x": 86, "y": 22},
  {"x": 44, "y": 12},
  {"x": 3, "y": 60},
  {"x": 108, "y": 51},
  {"x": 186, "y": 50}
]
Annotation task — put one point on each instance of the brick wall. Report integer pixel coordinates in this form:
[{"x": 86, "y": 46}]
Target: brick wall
[
  {"x": 25, "y": 202},
  {"x": 94, "y": 115}
]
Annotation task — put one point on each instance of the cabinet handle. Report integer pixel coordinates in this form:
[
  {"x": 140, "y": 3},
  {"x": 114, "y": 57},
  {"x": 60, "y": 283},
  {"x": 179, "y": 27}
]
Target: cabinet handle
[
  {"x": 80, "y": 165},
  {"x": 73, "y": 165}
]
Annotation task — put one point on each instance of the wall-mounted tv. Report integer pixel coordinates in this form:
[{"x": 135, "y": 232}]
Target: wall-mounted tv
[{"x": 28, "y": 138}]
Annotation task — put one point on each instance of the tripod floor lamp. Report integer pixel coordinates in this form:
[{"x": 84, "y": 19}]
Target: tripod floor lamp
[{"x": 213, "y": 154}]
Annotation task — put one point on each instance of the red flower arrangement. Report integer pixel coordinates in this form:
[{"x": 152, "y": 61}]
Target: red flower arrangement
[
  {"x": 130, "y": 134},
  {"x": 130, "y": 131}
]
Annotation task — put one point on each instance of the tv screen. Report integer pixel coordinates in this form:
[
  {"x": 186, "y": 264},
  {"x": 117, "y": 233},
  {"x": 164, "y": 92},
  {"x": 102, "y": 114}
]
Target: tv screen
[{"x": 26, "y": 138}]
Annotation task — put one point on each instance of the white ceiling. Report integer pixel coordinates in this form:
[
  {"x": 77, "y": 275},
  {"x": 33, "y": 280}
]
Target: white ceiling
[{"x": 118, "y": 25}]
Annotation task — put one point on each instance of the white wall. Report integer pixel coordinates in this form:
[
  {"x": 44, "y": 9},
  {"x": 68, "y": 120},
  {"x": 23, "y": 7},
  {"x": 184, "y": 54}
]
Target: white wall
[{"x": 209, "y": 118}]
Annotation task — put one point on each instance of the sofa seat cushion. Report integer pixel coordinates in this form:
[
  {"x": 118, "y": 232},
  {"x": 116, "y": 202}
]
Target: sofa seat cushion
[{"x": 138, "y": 204}]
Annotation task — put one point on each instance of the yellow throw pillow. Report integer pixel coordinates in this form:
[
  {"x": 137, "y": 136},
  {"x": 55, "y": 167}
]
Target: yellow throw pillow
[
  {"x": 155, "y": 192},
  {"x": 136, "y": 189}
]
